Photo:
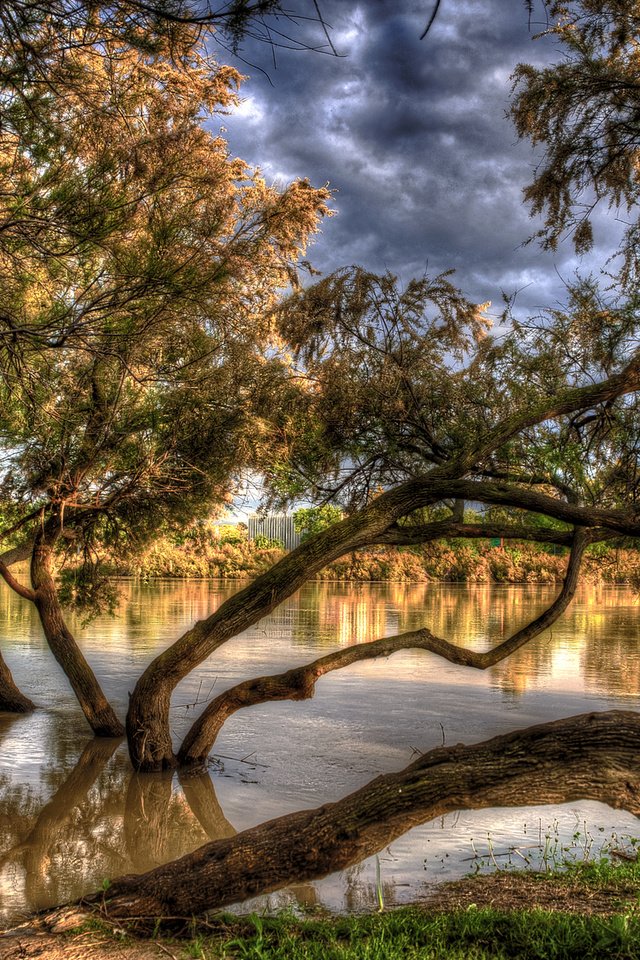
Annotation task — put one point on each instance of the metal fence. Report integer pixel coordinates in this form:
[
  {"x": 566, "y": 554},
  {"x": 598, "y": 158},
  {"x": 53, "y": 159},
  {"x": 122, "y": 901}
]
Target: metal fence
[{"x": 278, "y": 526}]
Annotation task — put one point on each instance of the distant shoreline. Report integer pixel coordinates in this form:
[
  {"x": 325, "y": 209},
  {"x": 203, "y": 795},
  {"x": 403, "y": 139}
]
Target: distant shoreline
[{"x": 441, "y": 562}]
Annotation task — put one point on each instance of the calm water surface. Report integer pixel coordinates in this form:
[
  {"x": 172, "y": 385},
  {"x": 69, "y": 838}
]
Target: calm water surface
[{"x": 72, "y": 813}]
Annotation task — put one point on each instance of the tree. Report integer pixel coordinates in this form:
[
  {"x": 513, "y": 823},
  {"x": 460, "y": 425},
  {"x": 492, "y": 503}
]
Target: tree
[
  {"x": 138, "y": 264},
  {"x": 584, "y": 110},
  {"x": 310, "y": 520}
]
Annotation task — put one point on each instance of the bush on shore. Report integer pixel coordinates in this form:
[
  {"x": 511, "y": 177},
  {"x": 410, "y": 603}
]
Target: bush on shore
[{"x": 225, "y": 552}]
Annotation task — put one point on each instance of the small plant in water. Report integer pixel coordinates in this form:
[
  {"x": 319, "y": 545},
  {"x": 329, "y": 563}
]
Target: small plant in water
[
  {"x": 379, "y": 894},
  {"x": 551, "y": 853}
]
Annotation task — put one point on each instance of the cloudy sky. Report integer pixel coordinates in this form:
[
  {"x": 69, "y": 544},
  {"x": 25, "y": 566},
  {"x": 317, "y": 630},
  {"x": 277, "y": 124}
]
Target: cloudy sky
[{"x": 411, "y": 135}]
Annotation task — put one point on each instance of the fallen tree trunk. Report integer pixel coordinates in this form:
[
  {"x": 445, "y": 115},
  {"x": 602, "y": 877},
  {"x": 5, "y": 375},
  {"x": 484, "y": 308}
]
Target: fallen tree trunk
[{"x": 592, "y": 756}]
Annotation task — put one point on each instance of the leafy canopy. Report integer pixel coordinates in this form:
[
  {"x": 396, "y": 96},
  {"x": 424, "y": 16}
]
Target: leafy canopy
[
  {"x": 139, "y": 263},
  {"x": 584, "y": 110}
]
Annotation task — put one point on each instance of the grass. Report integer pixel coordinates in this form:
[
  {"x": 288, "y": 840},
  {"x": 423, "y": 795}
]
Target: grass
[
  {"x": 607, "y": 927},
  {"x": 471, "y": 934}
]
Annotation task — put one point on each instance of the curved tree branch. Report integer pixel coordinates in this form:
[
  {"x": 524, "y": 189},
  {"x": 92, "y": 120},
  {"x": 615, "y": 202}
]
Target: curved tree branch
[
  {"x": 566, "y": 401},
  {"x": 19, "y": 588},
  {"x": 299, "y": 683},
  {"x": 98, "y": 711},
  {"x": 12, "y": 700},
  {"x": 415, "y": 534},
  {"x": 508, "y": 495}
]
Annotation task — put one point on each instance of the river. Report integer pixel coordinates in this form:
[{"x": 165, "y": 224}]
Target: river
[{"x": 73, "y": 814}]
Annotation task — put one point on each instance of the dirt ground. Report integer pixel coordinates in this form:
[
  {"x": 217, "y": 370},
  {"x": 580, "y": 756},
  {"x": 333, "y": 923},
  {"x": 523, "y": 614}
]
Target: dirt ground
[
  {"x": 505, "y": 891},
  {"x": 53, "y": 938}
]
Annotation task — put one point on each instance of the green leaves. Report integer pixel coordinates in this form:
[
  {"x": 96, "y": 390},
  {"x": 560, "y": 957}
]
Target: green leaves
[{"x": 585, "y": 112}]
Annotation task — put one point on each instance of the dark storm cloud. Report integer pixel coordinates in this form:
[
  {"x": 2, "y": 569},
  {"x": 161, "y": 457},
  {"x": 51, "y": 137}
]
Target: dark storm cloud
[{"x": 412, "y": 137}]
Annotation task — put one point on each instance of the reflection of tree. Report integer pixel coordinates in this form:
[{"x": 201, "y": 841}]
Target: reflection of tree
[
  {"x": 200, "y": 794},
  {"x": 160, "y": 824},
  {"x": 610, "y": 658},
  {"x": 516, "y": 674},
  {"x": 36, "y": 850},
  {"x": 597, "y": 641},
  {"x": 359, "y": 896},
  {"x": 475, "y": 613},
  {"x": 102, "y": 821},
  {"x": 343, "y": 613}
]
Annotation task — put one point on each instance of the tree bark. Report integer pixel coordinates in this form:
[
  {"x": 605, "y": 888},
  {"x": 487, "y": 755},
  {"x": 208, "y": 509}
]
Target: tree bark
[
  {"x": 12, "y": 700},
  {"x": 593, "y": 756},
  {"x": 95, "y": 706},
  {"x": 299, "y": 684}
]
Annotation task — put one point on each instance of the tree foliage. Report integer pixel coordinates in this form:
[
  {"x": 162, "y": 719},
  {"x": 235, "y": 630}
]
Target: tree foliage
[
  {"x": 138, "y": 264},
  {"x": 584, "y": 111}
]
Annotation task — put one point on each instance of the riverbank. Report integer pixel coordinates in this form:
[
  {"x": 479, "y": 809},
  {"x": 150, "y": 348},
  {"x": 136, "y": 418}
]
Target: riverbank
[
  {"x": 458, "y": 561},
  {"x": 587, "y": 912}
]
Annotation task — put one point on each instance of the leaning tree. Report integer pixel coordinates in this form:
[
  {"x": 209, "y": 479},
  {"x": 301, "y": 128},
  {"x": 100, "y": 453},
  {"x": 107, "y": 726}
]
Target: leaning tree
[{"x": 139, "y": 263}]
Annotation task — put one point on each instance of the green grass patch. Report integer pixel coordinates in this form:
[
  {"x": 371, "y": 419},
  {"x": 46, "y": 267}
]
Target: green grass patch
[
  {"x": 600, "y": 873},
  {"x": 472, "y": 934},
  {"x": 469, "y": 932}
]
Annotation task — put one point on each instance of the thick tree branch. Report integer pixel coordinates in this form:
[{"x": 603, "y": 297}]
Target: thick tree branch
[
  {"x": 299, "y": 683},
  {"x": 567, "y": 401},
  {"x": 509, "y": 495},
  {"x": 415, "y": 534},
  {"x": 15, "y": 584},
  {"x": 12, "y": 700},
  {"x": 593, "y": 756},
  {"x": 95, "y": 706}
]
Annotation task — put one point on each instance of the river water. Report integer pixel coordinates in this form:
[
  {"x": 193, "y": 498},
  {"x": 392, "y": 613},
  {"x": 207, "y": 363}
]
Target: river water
[{"x": 73, "y": 814}]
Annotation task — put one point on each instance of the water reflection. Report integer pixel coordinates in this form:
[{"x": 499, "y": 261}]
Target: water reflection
[
  {"x": 102, "y": 821},
  {"x": 72, "y": 812}
]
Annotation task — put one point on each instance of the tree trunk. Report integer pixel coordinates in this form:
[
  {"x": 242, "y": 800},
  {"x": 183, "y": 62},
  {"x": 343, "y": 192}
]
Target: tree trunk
[
  {"x": 95, "y": 706},
  {"x": 593, "y": 756},
  {"x": 12, "y": 700}
]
